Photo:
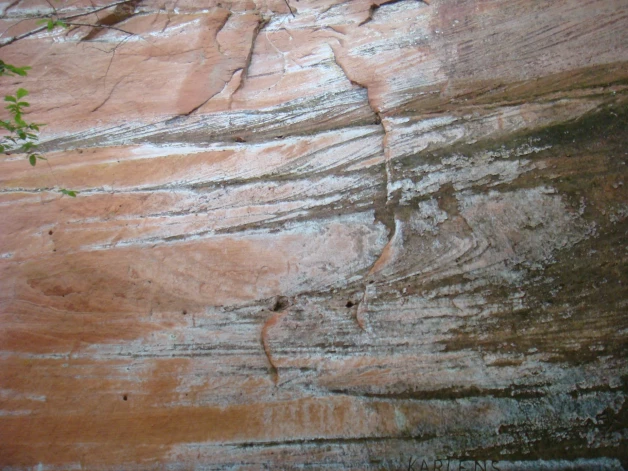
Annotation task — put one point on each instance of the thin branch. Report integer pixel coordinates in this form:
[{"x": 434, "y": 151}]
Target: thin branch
[
  {"x": 54, "y": 10},
  {"x": 96, "y": 10},
  {"x": 289, "y": 7},
  {"x": 113, "y": 55},
  {"x": 13, "y": 39},
  {"x": 22, "y": 36},
  {"x": 94, "y": 6},
  {"x": 103, "y": 26},
  {"x": 11, "y": 27},
  {"x": 116, "y": 29}
]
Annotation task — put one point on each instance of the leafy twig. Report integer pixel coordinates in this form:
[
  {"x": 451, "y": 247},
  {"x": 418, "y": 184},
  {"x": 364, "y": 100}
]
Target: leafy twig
[
  {"x": 60, "y": 21},
  {"x": 22, "y": 136}
]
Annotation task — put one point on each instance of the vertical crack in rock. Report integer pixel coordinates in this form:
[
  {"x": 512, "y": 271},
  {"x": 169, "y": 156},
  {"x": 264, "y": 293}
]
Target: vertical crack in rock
[
  {"x": 169, "y": 18},
  {"x": 381, "y": 215},
  {"x": 280, "y": 304},
  {"x": 355, "y": 82},
  {"x": 261, "y": 22},
  {"x": 215, "y": 94},
  {"x": 372, "y": 10},
  {"x": 219, "y": 29},
  {"x": 237, "y": 75}
]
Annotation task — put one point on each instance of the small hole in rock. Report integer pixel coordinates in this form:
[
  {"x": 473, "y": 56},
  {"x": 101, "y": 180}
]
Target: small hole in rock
[
  {"x": 49, "y": 232},
  {"x": 184, "y": 312},
  {"x": 281, "y": 303},
  {"x": 124, "y": 397},
  {"x": 349, "y": 304}
]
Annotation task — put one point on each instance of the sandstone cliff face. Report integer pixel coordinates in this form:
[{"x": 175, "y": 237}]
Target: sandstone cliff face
[{"x": 359, "y": 236}]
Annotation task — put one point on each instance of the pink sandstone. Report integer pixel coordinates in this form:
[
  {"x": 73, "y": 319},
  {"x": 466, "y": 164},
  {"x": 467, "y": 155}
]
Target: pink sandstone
[{"x": 358, "y": 235}]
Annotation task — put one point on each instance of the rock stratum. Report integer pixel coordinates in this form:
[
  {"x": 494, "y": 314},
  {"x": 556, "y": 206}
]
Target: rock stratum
[{"x": 359, "y": 235}]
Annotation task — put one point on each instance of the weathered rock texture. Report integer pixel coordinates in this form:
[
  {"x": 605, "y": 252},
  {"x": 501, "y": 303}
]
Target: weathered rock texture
[{"x": 362, "y": 236}]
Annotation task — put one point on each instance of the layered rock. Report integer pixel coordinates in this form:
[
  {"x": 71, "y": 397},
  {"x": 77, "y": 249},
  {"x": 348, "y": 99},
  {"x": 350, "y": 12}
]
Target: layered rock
[{"x": 357, "y": 235}]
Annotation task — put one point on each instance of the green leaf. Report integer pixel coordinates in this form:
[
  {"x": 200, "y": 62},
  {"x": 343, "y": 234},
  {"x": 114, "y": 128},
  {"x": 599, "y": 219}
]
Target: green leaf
[
  {"x": 61, "y": 23},
  {"x": 7, "y": 125},
  {"x": 15, "y": 70},
  {"x": 23, "y": 103},
  {"x": 51, "y": 25},
  {"x": 32, "y": 159},
  {"x": 42, "y": 21},
  {"x": 41, "y": 158},
  {"x": 21, "y": 93},
  {"x": 10, "y": 98},
  {"x": 21, "y": 71},
  {"x": 69, "y": 192}
]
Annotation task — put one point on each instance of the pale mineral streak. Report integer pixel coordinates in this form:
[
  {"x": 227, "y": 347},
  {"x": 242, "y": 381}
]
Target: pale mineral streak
[{"x": 375, "y": 235}]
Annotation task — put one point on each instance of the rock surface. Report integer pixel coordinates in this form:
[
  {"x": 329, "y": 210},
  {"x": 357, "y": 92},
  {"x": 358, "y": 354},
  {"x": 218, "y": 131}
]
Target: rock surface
[{"x": 357, "y": 235}]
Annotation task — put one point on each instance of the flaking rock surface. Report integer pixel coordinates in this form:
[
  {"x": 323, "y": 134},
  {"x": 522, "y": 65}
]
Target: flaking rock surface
[{"x": 369, "y": 235}]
